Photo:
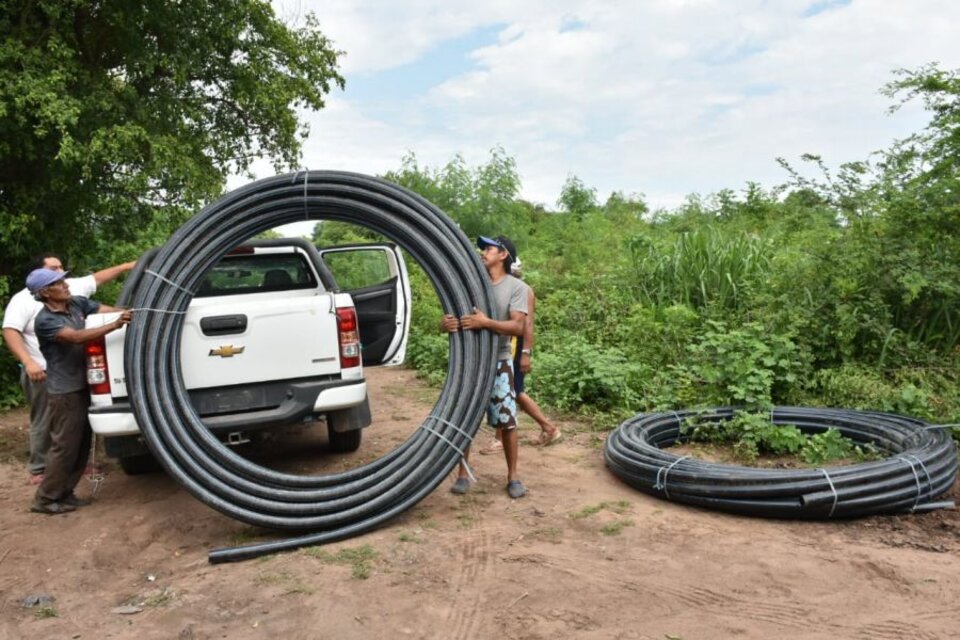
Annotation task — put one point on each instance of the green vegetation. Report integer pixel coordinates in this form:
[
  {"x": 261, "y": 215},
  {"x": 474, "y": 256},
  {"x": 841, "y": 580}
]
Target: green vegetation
[
  {"x": 46, "y": 612},
  {"x": 614, "y": 528},
  {"x": 619, "y": 507},
  {"x": 360, "y": 559},
  {"x": 752, "y": 434},
  {"x": 107, "y": 144},
  {"x": 841, "y": 289}
]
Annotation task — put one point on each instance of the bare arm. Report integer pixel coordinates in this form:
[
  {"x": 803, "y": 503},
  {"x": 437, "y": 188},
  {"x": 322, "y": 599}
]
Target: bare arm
[
  {"x": 525, "y": 355},
  {"x": 111, "y": 273},
  {"x": 68, "y": 334},
  {"x": 18, "y": 348},
  {"x": 479, "y": 320},
  {"x": 528, "y": 323}
]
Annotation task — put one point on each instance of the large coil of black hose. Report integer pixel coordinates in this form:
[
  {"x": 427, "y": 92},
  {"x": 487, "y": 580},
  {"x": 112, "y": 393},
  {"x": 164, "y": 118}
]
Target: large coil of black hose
[
  {"x": 321, "y": 508},
  {"x": 921, "y": 465}
]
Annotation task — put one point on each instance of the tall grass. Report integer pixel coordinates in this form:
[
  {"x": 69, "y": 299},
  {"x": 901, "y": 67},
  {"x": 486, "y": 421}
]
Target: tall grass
[{"x": 701, "y": 268}]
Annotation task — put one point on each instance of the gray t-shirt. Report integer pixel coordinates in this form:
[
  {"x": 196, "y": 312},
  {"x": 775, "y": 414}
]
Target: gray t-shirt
[
  {"x": 66, "y": 361},
  {"x": 510, "y": 294}
]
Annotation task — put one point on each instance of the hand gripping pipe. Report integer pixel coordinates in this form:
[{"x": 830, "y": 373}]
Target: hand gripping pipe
[
  {"x": 322, "y": 508},
  {"x": 922, "y": 465}
]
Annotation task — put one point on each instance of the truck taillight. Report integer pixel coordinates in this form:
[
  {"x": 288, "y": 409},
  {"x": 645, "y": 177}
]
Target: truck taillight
[
  {"x": 349, "y": 337},
  {"x": 98, "y": 376}
]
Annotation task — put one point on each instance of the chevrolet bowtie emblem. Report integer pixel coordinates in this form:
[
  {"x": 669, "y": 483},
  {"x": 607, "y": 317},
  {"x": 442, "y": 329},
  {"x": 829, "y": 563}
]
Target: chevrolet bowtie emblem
[{"x": 226, "y": 351}]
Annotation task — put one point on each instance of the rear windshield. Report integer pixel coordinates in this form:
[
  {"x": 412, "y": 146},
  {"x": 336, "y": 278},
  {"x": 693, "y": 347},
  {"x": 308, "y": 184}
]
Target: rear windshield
[{"x": 255, "y": 273}]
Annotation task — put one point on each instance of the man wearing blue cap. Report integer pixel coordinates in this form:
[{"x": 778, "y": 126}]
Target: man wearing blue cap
[
  {"x": 509, "y": 313},
  {"x": 61, "y": 332},
  {"x": 20, "y": 336}
]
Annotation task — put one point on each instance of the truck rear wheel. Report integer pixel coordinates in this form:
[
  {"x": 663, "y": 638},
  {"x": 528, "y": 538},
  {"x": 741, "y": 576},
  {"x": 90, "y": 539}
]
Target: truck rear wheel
[{"x": 344, "y": 441}]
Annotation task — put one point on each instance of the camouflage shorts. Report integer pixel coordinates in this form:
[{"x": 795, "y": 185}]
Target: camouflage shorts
[{"x": 502, "y": 410}]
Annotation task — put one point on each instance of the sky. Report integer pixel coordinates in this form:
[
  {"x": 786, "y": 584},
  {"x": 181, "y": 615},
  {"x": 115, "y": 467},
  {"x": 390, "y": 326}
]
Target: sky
[{"x": 652, "y": 98}]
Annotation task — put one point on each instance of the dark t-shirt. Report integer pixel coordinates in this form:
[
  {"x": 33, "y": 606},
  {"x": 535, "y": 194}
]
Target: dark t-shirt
[{"x": 66, "y": 361}]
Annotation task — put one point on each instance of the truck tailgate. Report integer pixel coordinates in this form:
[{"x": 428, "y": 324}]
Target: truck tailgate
[
  {"x": 233, "y": 340},
  {"x": 255, "y": 338}
]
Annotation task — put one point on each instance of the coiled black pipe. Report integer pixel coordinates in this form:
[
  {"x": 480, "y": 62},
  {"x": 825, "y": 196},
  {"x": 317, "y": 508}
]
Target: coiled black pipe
[
  {"x": 330, "y": 507},
  {"x": 921, "y": 466}
]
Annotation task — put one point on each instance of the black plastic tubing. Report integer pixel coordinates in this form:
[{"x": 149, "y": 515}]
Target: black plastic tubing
[
  {"x": 322, "y": 508},
  {"x": 921, "y": 466}
]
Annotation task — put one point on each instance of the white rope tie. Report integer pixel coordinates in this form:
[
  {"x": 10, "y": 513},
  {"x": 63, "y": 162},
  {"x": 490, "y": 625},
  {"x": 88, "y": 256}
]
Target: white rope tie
[
  {"x": 666, "y": 471},
  {"x": 460, "y": 452},
  {"x": 148, "y": 310},
  {"x": 95, "y": 477},
  {"x": 916, "y": 477},
  {"x": 170, "y": 282},
  {"x": 832, "y": 488}
]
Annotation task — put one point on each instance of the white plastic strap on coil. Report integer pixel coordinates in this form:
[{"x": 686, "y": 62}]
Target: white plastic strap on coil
[
  {"x": 916, "y": 476},
  {"x": 832, "y": 488},
  {"x": 933, "y": 427},
  {"x": 666, "y": 471},
  {"x": 169, "y": 282},
  {"x": 306, "y": 175},
  {"x": 460, "y": 451}
]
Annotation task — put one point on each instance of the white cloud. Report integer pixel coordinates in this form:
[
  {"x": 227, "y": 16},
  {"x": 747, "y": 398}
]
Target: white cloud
[{"x": 663, "y": 98}]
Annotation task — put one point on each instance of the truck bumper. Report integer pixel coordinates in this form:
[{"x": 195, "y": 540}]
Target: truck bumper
[{"x": 305, "y": 400}]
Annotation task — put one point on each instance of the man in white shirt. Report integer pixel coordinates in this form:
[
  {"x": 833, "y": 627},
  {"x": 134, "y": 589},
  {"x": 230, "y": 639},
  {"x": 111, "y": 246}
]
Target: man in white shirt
[{"x": 21, "y": 338}]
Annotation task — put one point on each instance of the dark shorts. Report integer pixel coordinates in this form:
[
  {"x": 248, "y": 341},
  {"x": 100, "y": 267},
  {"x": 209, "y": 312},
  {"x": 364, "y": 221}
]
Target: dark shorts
[
  {"x": 502, "y": 409},
  {"x": 518, "y": 375}
]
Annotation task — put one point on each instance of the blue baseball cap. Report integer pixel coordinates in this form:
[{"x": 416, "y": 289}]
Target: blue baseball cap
[
  {"x": 42, "y": 278},
  {"x": 501, "y": 242}
]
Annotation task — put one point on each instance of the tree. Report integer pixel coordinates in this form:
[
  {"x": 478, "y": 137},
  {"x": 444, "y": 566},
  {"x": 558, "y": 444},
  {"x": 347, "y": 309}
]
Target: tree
[
  {"x": 118, "y": 119},
  {"x": 482, "y": 199},
  {"x": 576, "y": 198}
]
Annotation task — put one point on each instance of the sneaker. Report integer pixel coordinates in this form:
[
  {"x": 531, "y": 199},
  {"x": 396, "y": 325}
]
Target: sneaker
[
  {"x": 460, "y": 487},
  {"x": 75, "y": 501},
  {"x": 516, "y": 489},
  {"x": 51, "y": 508}
]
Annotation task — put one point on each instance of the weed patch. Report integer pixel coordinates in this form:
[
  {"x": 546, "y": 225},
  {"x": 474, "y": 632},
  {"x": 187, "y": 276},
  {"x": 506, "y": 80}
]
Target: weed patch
[{"x": 360, "y": 559}]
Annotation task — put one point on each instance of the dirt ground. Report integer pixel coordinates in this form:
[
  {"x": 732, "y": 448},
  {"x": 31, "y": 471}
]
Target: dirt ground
[{"x": 582, "y": 556}]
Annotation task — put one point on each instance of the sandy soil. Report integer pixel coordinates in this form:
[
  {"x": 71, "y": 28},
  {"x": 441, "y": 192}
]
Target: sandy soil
[{"x": 583, "y": 556}]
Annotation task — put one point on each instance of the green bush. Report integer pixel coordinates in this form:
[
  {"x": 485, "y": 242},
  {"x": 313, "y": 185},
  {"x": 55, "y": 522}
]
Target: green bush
[
  {"x": 745, "y": 366},
  {"x": 575, "y": 375}
]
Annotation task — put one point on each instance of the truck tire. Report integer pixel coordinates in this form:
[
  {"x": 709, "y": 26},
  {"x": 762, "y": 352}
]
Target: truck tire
[
  {"x": 344, "y": 441},
  {"x": 139, "y": 464}
]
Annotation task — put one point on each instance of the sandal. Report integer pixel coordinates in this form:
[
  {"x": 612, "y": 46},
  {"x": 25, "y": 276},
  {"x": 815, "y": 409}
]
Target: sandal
[
  {"x": 495, "y": 446},
  {"x": 547, "y": 439}
]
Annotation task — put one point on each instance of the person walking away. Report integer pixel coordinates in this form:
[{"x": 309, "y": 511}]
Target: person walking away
[
  {"x": 20, "y": 337},
  {"x": 522, "y": 365},
  {"x": 510, "y": 308},
  {"x": 61, "y": 333}
]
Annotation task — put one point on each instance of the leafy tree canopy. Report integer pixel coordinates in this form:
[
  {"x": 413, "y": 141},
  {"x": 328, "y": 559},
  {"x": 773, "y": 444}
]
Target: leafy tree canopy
[{"x": 117, "y": 119}]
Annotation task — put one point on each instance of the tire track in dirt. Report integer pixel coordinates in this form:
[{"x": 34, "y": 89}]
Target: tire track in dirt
[
  {"x": 474, "y": 563},
  {"x": 894, "y": 630},
  {"x": 786, "y": 615}
]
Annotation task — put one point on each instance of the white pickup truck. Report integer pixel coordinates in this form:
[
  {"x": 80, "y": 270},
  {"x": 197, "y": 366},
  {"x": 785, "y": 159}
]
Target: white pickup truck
[{"x": 272, "y": 338}]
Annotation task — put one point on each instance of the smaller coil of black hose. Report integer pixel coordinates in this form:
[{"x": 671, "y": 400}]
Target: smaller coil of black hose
[{"x": 921, "y": 465}]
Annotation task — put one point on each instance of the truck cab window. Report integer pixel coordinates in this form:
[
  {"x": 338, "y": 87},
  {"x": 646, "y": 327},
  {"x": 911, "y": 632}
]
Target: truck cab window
[
  {"x": 254, "y": 273},
  {"x": 358, "y": 268}
]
